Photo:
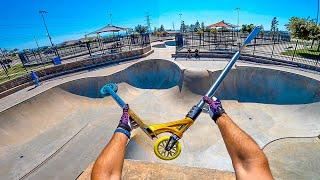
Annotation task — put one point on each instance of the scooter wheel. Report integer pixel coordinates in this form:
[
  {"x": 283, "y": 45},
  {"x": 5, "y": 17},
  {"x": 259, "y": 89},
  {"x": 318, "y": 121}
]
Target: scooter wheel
[{"x": 162, "y": 153}]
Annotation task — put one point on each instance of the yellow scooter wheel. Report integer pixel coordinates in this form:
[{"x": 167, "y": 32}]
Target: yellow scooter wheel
[{"x": 162, "y": 153}]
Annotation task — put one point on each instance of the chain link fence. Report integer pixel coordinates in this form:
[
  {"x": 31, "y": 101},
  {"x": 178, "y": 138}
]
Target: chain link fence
[
  {"x": 278, "y": 46},
  {"x": 18, "y": 64}
]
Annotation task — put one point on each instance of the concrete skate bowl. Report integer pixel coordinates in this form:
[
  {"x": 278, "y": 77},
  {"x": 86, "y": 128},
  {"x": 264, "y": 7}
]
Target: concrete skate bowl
[
  {"x": 70, "y": 123},
  {"x": 170, "y": 43},
  {"x": 157, "y": 74}
]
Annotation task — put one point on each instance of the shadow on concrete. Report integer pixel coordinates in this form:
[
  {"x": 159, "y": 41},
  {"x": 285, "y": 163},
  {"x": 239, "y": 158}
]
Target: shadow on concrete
[{"x": 159, "y": 46}]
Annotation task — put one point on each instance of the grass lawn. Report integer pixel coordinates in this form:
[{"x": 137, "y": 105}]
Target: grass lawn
[
  {"x": 13, "y": 72},
  {"x": 305, "y": 53},
  {"x": 16, "y": 71}
]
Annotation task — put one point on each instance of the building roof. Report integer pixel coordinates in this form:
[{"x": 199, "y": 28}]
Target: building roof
[{"x": 222, "y": 24}]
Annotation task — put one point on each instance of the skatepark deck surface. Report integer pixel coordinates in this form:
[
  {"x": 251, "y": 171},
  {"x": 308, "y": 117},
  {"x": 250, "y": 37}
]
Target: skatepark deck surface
[
  {"x": 135, "y": 170},
  {"x": 59, "y": 132}
]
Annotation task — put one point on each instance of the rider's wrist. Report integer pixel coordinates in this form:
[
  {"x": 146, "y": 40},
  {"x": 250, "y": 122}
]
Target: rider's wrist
[
  {"x": 123, "y": 131},
  {"x": 221, "y": 118},
  {"x": 217, "y": 116},
  {"x": 124, "y": 126}
]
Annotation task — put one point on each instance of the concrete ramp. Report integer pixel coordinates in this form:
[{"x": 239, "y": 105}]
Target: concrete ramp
[
  {"x": 294, "y": 148},
  {"x": 256, "y": 85},
  {"x": 59, "y": 132}
]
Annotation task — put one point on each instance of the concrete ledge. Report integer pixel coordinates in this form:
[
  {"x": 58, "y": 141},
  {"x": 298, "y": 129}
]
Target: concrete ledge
[
  {"x": 133, "y": 169},
  {"x": 24, "y": 81}
]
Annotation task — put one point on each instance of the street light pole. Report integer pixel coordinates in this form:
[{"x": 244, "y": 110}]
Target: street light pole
[
  {"x": 41, "y": 12},
  {"x": 110, "y": 17},
  {"x": 238, "y": 24},
  {"x": 238, "y": 21},
  {"x": 318, "y": 12},
  {"x": 45, "y": 25},
  {"x": 181, "y": 23},
  {"x": 148, "y": 22}
]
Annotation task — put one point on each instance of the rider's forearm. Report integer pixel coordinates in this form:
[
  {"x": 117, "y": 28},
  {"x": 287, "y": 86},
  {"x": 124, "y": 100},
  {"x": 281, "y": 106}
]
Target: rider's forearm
[
  {"x": 110, "y": 162},
  {"x": 244, "y": 151}
]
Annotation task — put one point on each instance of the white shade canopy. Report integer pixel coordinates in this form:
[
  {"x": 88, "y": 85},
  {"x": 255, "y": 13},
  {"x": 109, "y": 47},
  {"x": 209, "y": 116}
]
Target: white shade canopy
[{"x": 108, "y": 28}]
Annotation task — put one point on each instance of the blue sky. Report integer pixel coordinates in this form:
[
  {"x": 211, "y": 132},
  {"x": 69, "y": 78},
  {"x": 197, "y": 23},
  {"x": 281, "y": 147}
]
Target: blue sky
[{"x": 71, "y": 19}]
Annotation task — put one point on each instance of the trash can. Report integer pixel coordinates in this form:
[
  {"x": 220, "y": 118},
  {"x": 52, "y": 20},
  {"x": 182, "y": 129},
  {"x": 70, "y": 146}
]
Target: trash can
[
  {"x": 179, "y": 40},
  {"x": 56, "y": 60}
]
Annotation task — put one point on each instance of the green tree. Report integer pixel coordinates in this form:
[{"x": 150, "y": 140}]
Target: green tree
[
  {"x": 14, "y": 51},
  {"x": 4, "y": 51},
  {"x": 141, "y": 29},
  {"x": 274, "y": 27},
  {"x": 197, "y": 26},
  {"x": 298, "y": 28},
  {"x": 314, "y": 33},
  {"x": 192, "y": 27},
  {"x": 247, "y": 28},
  {"x": 183, "y": 27},
  {"x": 161, "y": 29},
  {"x": 213, "y": 30},
  {"x": 203, "y": 27},
  {"x": 304, "y": 28},
  {"x": 274, "y": 24},
  {"x": 261, "y": 30}
]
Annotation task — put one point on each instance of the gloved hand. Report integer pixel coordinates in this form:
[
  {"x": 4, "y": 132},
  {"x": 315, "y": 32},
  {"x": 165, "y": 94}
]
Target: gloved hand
[
  {"x": 126, "y": 124},
  {"x": 216, "y": 109}
]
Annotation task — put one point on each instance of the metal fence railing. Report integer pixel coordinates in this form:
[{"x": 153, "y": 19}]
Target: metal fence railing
[
  {"x": 15, "y": 65},
  {"x": 154, "y": 38},
  {"x": 278, "y": 46}
]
